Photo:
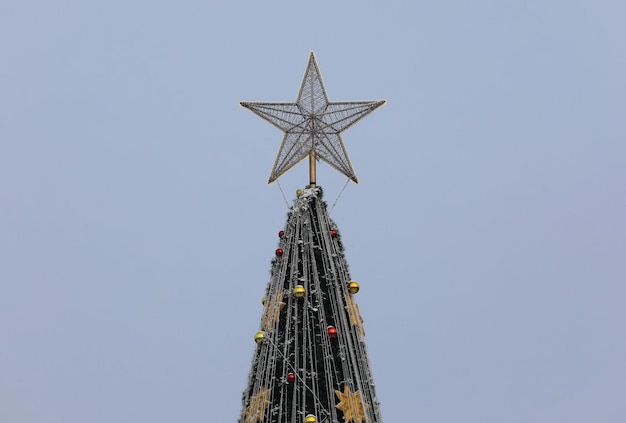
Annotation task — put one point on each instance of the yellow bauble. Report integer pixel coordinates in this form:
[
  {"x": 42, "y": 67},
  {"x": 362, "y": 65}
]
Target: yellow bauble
[
  {"x": 298, "y": 192},
  {"x": 299, "y": 291},
  {"x": 258, "y": 337},
  {"x": 310, "y": 418},
  {"x": 263, "y": 300},
  {"x": 353, "y": 287}
]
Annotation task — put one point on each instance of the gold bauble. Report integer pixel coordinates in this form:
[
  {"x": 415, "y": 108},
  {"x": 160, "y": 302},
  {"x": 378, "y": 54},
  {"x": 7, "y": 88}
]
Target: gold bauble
[
  {"x": 263, "y": 300},
  {"x": 299, "y": 291},
  {"x": 353, "y": 287},
  {"x": 258, "y": 337},
  {"x": 310, "y": 418},
  {"x": 298, "y": 192}
]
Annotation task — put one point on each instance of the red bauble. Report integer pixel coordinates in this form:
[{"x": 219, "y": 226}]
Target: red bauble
[
  {"x": 281, "y": 233},
  {"x": 332, "y": 332},
  {"x": 279, "y": 252},
  {"x": 291, "y": 378},
  {"x": 333, "y": 233}
]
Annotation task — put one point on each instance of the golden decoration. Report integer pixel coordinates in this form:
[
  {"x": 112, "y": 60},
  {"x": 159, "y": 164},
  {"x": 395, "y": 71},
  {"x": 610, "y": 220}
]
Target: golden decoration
[
  {"x": 255, "y": 411},
  {"x": 299, "y": 291},
  {"x": 354, "y": 315},
  {"x": 310, "y": 418},
  {"x": 272, "y": 311},
  {"x": 353, "y": 287},
  {"x": 258, "y": 337},
  {"x": 352, "y": 405}
]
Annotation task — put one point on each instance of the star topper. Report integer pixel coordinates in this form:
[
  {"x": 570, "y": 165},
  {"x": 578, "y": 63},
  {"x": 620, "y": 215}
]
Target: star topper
[{"x": 312, "y": 125}]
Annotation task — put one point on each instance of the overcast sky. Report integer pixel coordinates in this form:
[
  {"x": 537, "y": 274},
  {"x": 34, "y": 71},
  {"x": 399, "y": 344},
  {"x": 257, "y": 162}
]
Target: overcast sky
[{"x": 487, "y": 231}]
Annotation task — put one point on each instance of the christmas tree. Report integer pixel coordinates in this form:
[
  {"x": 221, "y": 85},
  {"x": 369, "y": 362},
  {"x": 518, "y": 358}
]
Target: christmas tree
[{"x": 311, "y": 363}]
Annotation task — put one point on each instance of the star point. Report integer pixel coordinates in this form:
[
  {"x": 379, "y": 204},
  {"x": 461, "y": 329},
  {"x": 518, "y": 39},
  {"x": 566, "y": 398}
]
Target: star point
[{"x": 312, "y": 125}]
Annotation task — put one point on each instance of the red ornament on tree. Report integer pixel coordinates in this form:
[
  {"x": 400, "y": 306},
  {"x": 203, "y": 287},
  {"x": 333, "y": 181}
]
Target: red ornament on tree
[
  {"x": 332, "y": 332},
  {"x": 281, "y": 233},
  {"x": 279, "y": 252},
  {"x": 291, "y": 378},
  {"x": 333, "y": 233}
]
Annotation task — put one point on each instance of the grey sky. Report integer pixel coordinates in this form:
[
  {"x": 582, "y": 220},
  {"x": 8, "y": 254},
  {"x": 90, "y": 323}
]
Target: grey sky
[{"x": 487, "y": 231}]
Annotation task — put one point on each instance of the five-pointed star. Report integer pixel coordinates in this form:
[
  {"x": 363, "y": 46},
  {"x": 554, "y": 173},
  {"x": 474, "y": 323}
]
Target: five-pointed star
[
  {"x": 352, "y": 405},
  {"x": 256, "y": 409},
  {"x": 313, "y": 124}
]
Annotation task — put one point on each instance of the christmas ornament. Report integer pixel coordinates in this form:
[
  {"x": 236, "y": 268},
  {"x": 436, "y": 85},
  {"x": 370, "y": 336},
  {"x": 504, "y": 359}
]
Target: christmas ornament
[
  {"x": 279, "y": 252},
  {"x": 299, "y": 291},
  {"x": 258, "y": 337},
  {"x": 352, "y": 405},
  {"x": 255, "y": 411},
  {"x": 353, "y": 314},
  {"x": 353, "y": 287},
  {"x": 332, "y": 332},
  {"x": 272, "y": 311},
  {"x": 313, "y": 125}
]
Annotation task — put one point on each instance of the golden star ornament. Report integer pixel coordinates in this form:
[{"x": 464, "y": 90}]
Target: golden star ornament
[
  {"x": 353, "y": 314},
  {"x": 272, "y": 311},
  {"x": 256, "y": 409},
  {"x": 352, "y": 405}
]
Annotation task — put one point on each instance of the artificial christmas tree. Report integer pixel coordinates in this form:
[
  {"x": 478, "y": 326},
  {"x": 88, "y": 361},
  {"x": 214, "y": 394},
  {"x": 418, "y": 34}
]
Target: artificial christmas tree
[{"x": 310, "y": 363}]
